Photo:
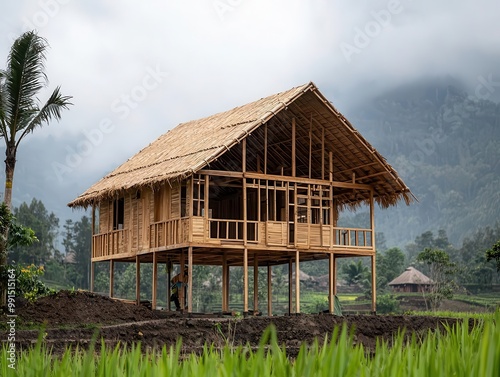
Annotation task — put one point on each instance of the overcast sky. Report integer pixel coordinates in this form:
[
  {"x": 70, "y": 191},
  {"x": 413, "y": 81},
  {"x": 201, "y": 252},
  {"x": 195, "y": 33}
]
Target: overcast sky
[{"x": 137, "y": 69}]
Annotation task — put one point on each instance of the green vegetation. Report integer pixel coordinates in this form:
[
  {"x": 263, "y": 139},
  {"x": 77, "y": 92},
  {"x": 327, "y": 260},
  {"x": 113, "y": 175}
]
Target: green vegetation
[
  {"x": 459, "y": 351},
  {"x": 494, "y": 254}
]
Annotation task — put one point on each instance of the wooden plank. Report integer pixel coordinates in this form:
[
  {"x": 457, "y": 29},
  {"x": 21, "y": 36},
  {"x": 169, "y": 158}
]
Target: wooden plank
[{"x": 297, "y": 281}]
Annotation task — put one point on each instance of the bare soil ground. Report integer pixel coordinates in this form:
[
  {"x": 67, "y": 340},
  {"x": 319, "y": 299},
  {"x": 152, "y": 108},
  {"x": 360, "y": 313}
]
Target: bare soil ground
[{"x": 76, "y": 318}]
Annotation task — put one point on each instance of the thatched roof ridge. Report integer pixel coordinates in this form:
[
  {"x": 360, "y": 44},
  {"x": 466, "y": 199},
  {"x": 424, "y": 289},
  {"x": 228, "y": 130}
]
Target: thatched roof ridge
[
  {"x": 411, "y": 276},
  {"x": 193, "y": 145}
]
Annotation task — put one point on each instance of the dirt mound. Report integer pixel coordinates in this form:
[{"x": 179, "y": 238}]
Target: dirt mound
[
  {"x": 76, "y": 318},
  {"x": 80, "y": 307}
]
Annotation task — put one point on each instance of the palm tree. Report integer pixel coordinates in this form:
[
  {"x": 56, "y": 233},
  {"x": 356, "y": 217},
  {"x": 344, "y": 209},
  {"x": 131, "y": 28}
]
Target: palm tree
[{"x": 20, "y": 112}]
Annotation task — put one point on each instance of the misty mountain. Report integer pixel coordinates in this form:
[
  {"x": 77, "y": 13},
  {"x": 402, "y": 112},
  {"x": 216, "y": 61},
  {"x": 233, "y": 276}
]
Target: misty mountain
[{"x": 445, "y": 143}]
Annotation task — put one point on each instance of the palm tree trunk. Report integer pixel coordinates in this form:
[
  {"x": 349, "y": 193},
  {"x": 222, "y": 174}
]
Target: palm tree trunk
[{"x": 10, "y": 164}]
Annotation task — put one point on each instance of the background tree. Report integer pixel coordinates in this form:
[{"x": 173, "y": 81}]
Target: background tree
[
  {"x": 46, "y": 227},
  {"x": 441, "y": 271},
  {"x": 355, "y": 272},
  {"x": 389, "y": 265},
  {"x": 494, "y": 254}
]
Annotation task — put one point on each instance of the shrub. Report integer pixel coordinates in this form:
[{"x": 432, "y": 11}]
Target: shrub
[{"x": 388, "y": 304}]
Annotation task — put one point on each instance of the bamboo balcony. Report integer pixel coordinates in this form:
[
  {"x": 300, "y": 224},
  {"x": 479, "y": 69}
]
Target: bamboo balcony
[{"x": 205, "y": 231}]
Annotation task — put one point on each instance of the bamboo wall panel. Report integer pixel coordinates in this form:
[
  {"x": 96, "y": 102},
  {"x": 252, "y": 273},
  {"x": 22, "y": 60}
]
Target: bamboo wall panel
[
  {"x": 276, "y": 233},
  {"x": 104, "y": 214},
  {"x": 175, "y": 202},
  {"x": 315, "y": 235},
  {"x": 302, "y": 233},
  {"x": 199, "y": 229}
]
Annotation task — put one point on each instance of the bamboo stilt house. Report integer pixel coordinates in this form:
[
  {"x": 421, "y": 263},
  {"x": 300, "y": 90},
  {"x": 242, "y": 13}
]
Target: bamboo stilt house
[{"x": 259, "y": 185}]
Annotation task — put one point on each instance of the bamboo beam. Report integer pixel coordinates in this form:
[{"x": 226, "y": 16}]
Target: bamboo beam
[
  {"x": 154, "y": 283},
  {"x": 137, "y": 280},
  {"x": 252, "y": 175},
  {"x": 293, "y": 148},
  {"x": 111, "y": 277},
  {"x": 190, "y": 280},
  {"x": 255, "y": 284},
  {"x": 269, "y": 291},
  {"x": 245, "y": 281},
  {"x": 374, "y": 284},
  {"x": 290, "y": 292},
  {"x": 297, "y": 281},
  {"x": 330, "y": 165}
]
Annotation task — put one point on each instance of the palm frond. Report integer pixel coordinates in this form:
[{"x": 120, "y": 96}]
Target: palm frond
[
  {"x": 51, "y": 110},
  {"x": 24, "y": 78}
]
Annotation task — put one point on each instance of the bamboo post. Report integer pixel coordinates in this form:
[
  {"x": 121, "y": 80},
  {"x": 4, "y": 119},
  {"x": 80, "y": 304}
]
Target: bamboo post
[
  {"x": 331, "y": 282},
  {"x": 374, "y": 285},
  {"x": 228, "y": 279},
  {"x": 265, "y": 149},
  {"x": 182, "y": 297},
  {"x": 224, "y": 282},
  {"x": 245, "y": 281},
  {"x": 290, "y": 292},
  {"x": 334, "y": 275},
  {"x": 310, "y": 148},
  {"x": 190, "y": 280},
  {"x": 323, "y": 153},
  {"x": 297, "y": 282},
  {"x": 154, "y": 282},
  {"x": 255, "y": 284},
  {"x": 137, "y": 280},
  {"x": 169, "y": 277},
  {"x": 372, "y": 220},
  {"x": 92, "y": 275},
  {"x": 111, "y": 277},
  {"x": 293, "y": 147},
  {"x": 269, "y": 291}
]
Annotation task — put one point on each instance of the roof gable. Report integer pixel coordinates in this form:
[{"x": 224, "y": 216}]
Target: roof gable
[{"x": 411, "y": 276}]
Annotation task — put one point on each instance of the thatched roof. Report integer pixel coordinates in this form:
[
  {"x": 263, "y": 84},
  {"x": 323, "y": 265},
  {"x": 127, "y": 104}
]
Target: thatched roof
[
  {"x": 194, "y": 145},
  {"x": 411, "y": 276}
]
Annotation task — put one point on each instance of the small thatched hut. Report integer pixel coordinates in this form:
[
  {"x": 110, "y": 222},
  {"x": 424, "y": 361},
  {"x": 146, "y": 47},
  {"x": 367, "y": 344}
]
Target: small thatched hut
[
  {"x": 260, "y": 185},
  {"x": 411, "y": 280}
]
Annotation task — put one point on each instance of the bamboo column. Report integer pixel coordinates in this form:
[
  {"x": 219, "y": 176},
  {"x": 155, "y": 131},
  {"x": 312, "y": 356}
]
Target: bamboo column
[
  {"x": 331, "y": 280},
  {"x": 290, "y": 292},
  {"x": 154, "y": 283},
  {"x": 169, "y": 277},
  {"x": 374, "y": 285},
  {"x": 137, "y": 280},
  {"x": 269, "y": 291},
  {"x": 111, "y": 277},
  {"x": 297, "y": 282},
  {"x": 92, "y": 275},
  {"x": 255, "y": 284},
  {"x": 190, "y": 280},
  {"x": 245, "y": 281},
  {"x": 224, "y": 282},
  {"x": 182, "y": 297}
]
